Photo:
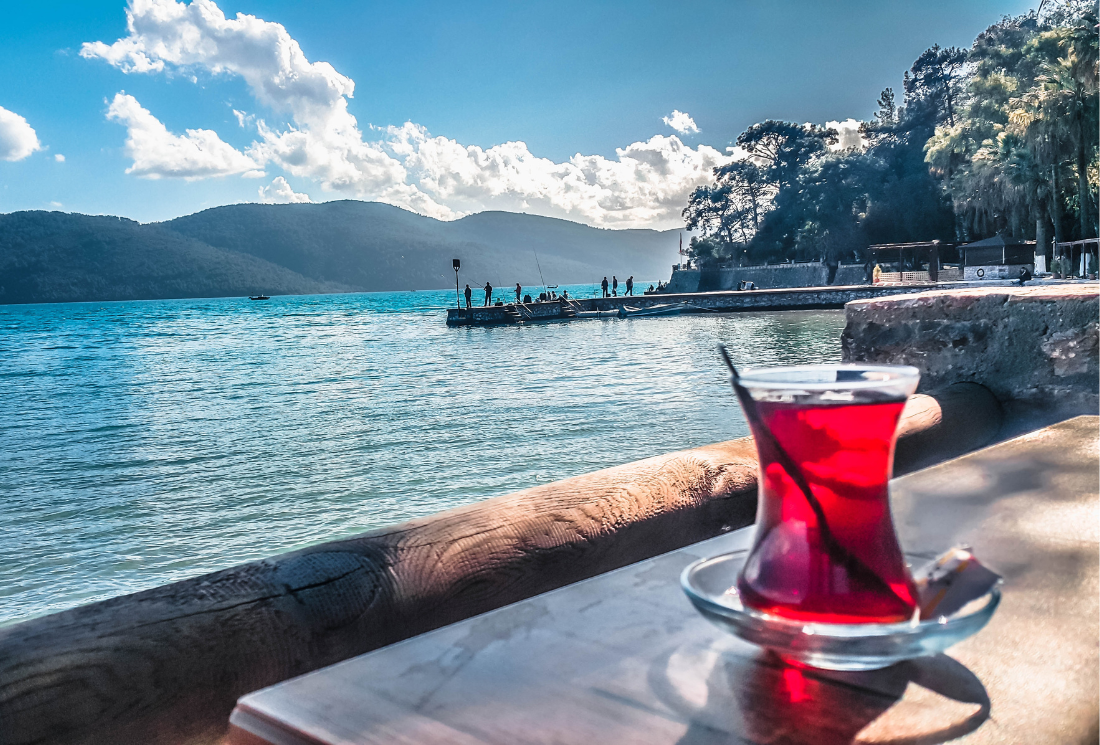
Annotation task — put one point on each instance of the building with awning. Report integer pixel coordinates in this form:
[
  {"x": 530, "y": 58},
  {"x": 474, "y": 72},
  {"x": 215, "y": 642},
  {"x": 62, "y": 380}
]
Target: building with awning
[
  {"x": 996, "y": 258},
  {"x": 916, "y": 262}
]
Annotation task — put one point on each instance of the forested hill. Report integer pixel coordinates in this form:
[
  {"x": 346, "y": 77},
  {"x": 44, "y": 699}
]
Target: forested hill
[
  {"x": 56, "y": 257},
  {"x": 306, "y": 248},
  {"x": 374, "y": 247}
]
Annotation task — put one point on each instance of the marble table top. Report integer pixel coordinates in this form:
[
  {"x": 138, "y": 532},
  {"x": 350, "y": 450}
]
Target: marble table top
[{"x": 623, "y": 657}]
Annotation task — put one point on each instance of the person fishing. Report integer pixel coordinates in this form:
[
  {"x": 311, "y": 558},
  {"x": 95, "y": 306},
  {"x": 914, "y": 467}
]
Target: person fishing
[
  {"x": 604, "y": 286},
  {"x": 519, "y": 291},
  {"x": 614, "y": 285},
  {"x": 630, "y": 285},
  {"x": 488, "y": 293},
  {"x": 469, "y": 293}
]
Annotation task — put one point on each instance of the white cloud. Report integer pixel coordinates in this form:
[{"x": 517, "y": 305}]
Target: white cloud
[
  {"x": 56, "y": 204},
  {"x": 645, "y": 185},
  {"x": 244, "y": 119},
  {"x": 59, "y": 158},
  {"x": 198, "y": 35},
  {"x": 158, "y": 153},
  {"x": 849, "y": 136},
  {"x": 280, "y": 192},
  {"x": 681, "y": 122},
  {"x": 17, "y": 138}
]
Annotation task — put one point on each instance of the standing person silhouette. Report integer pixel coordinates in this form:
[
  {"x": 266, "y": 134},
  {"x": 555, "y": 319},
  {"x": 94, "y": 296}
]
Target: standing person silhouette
[
  {"x": 614, "y": 285},
  {"x": 604, "y": 286},
  {"x": 469, "y": 293},
  {"x": 519, "y": 291},
  {"x": 488, "y": 293},
  {"x": 629, "y": 286}
]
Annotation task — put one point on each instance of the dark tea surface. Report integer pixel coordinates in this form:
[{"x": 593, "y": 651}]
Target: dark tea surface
[{"x": 836, "y": 561}]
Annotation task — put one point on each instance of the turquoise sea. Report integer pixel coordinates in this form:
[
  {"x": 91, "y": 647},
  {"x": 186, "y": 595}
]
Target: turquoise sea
[{"x": 150, "y": 441}]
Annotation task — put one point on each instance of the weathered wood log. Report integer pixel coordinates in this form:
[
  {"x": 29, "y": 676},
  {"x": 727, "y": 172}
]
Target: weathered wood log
[
  {"x": 941, "y": 426},
  {"x": 166, "y": 665}
]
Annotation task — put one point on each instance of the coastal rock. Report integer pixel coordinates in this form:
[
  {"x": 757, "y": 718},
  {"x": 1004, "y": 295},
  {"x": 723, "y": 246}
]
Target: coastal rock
[{"x": 1034, "y": 346}]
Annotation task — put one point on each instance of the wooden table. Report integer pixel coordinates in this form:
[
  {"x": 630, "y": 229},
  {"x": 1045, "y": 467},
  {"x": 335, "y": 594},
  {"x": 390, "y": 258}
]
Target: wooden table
[{"x": 623, "y": 657}]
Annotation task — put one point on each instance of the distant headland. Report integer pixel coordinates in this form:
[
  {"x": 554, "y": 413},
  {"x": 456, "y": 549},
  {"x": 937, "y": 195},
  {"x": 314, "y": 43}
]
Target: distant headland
[{"x": 341, "y": 246}]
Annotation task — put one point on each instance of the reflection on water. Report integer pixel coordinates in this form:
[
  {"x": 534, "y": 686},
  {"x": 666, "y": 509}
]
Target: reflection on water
[{"x": 145, "y": 442}]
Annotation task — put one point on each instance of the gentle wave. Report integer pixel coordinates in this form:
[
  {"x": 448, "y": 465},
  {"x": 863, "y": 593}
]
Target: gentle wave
[{"x": 146, "y": 442}]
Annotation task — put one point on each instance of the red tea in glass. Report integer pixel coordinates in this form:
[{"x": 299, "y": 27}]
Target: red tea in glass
[{"x": 825, "y": 548}]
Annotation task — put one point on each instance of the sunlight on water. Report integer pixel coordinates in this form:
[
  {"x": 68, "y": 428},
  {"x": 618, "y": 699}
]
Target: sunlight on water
[{"x": 146, "y": 442}]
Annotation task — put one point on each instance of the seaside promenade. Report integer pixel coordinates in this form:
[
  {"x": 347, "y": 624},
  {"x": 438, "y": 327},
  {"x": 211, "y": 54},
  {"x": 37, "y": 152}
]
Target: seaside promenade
[{"x": 724, "y": 301}]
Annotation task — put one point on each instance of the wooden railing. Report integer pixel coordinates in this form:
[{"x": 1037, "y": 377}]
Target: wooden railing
[{"x": 922, "y": 277}]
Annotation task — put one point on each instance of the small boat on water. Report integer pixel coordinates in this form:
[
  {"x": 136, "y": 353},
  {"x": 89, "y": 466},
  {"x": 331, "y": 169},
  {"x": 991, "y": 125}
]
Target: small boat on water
[
  {"x": 258, "y": 297},
  {"x": 670, "y": 309},
  {"x": 613, "y": 313}
]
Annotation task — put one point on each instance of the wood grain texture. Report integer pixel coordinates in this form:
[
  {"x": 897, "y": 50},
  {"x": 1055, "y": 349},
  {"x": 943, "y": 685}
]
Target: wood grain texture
[{"x": 166, "y": 665}]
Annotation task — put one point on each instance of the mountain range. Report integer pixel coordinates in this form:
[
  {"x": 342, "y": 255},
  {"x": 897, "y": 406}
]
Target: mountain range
[{"x": 342, "y": 246}]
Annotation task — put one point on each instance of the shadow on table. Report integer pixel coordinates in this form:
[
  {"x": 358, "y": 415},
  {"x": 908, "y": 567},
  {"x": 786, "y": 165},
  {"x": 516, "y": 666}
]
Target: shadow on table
[{"x": 726, "y": 696}]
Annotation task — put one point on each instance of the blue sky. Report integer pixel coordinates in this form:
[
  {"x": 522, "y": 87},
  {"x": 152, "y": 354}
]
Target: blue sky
[{"x": 585, "y": 86}]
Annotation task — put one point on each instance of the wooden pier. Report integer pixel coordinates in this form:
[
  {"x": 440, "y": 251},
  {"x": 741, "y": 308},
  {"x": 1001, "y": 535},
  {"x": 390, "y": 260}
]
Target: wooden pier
[{"x": 788, "y": 298}]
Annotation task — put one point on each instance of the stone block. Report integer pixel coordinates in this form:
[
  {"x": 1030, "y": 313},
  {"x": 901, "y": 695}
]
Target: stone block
[{"x": 1034, "y": 346}]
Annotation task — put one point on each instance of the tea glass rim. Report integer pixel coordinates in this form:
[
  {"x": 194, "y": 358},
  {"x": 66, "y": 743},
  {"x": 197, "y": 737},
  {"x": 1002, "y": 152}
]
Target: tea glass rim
[{"x": 786, "y": 377}]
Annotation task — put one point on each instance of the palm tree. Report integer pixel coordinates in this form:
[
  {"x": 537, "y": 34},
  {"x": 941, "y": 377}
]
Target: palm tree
[
  {"x": 1025, "y": 176},
  {"x": 1060, "y": 117}
]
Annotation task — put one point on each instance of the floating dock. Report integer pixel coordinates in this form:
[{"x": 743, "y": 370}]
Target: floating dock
[{"x": 729, "y": 301}]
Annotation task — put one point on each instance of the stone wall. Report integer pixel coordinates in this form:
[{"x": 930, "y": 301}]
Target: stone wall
[
  {"x": 1035, "y": 347},
  {"x": 684, "y": 280},
  {"x": 809, "y": 274},
  {"x": 851, "y": 274},
  {"x": 768, "y": 277}
]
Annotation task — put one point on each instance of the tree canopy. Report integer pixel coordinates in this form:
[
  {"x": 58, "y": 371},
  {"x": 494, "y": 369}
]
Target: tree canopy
[{"x": 1001, "y": 138}]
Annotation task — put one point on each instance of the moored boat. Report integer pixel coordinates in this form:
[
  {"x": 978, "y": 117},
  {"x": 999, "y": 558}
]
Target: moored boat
[{"x": 671, "y": 309}]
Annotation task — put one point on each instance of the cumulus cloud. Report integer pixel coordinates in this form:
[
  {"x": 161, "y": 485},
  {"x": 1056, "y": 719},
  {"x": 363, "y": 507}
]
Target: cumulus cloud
[
  {"x": 59, "y": 158},
  {"x": 17, "y": 138},
  {"x": 681, "y": 122},
  {"x": 645, "y": 185},
  {"x": 158, "y": 153},
  {"x": 280, "y": 192},
  {"x": 849, "y": 136},
  {"x": 198, "y": 36}
]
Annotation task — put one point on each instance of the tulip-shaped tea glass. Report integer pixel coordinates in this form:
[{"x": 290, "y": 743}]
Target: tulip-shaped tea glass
[{"x": 825, "y": 549}]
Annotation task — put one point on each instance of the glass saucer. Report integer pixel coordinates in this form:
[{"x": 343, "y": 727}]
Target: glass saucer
[{"x": 710, "y": 584}]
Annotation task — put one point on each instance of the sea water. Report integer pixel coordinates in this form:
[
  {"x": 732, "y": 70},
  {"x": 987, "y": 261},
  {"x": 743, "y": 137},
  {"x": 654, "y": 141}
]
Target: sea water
[{"x": 150, "y": 441}]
